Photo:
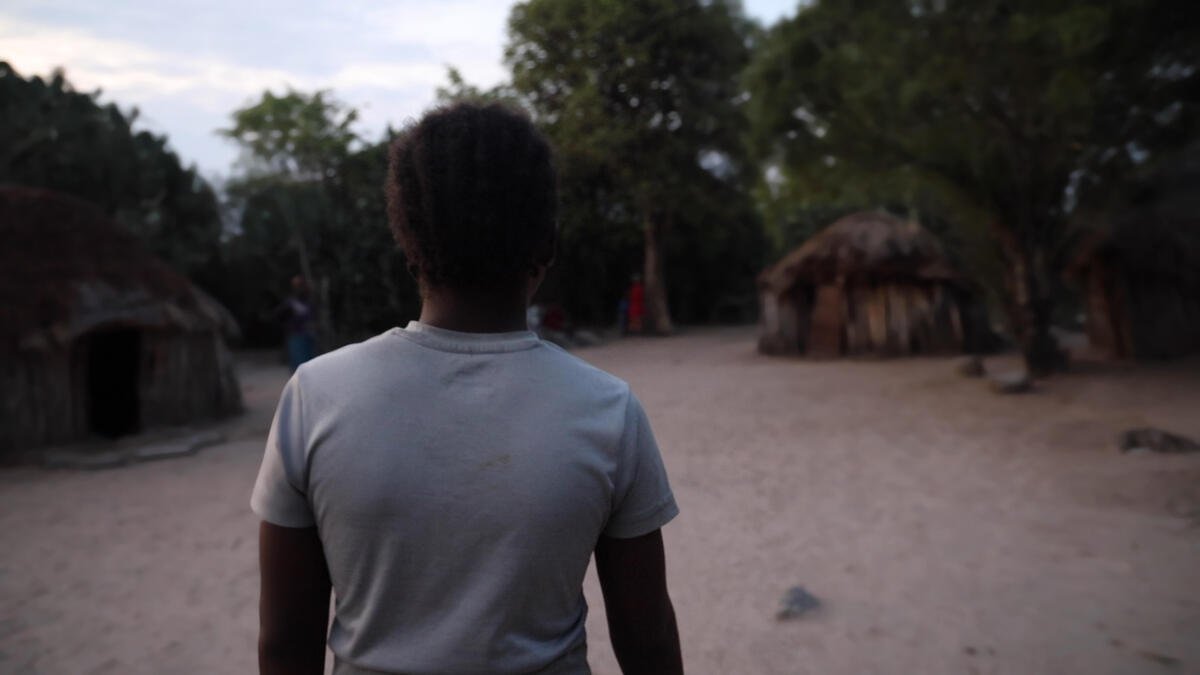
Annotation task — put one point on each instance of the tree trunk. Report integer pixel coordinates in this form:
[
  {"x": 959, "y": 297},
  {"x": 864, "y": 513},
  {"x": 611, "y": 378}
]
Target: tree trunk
[
  {"x": 1030, "y": 306},
  {"x": 658, "y": 316}
]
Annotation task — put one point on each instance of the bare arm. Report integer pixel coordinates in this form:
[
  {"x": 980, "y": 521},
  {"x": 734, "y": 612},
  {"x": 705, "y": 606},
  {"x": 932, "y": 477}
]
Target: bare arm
[
  {"x": 641, "y": 619},
  {"x": 293, "y": 608}
]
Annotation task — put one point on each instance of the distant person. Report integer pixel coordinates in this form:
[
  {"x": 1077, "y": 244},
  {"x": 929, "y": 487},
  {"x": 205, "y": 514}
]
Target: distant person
[
  {"x": 637, "y": 306},
  {"x": 300, "y": 324},
  {"x": 451, "y": 479}
]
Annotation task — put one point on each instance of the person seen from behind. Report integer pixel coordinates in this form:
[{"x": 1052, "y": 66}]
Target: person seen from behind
[{"x": 450, "y": 480}]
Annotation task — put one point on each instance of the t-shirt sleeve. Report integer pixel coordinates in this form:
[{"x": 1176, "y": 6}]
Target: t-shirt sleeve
[
  {"x": 643, "y": 499},
  {"x": 280, "y": 494}
]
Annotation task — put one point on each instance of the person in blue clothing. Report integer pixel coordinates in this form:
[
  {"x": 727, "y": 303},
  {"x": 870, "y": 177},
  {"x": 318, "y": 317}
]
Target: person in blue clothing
[
  {"x": 450, "y": 481},
  {"x": 300, "y": 324}
]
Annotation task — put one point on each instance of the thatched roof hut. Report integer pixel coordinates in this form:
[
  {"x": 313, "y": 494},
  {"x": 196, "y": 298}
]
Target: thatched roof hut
[
  {"x": 868, "y": 284},
  {"x": 97, "y": 336}
]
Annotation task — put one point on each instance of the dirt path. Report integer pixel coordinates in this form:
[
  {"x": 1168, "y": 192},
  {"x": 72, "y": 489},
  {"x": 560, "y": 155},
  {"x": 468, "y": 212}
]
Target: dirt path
[{"x": 947, "y": 530}]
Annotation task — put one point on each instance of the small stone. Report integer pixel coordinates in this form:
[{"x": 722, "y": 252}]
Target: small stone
[
  {"x": 1148, "y": 439},
  {"x": 1012, "y": 383},
  {"x": 796, "y": 602},
  {"x": 1163, "y": 659}
]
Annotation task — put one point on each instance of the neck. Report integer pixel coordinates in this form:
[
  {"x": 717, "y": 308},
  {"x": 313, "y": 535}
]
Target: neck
[{"x": 493, "y": 312}]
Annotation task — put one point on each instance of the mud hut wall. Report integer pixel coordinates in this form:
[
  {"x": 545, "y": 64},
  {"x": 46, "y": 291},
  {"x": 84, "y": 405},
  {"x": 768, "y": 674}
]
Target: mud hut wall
[
  {"x": 857, "y": 332},
  {"x": 772, "y": 338},
  {"x": 875, "y": 310},
  {"x": 798, "y": 316},
  {"x": 37, "y": 404},
  {"x": 941, "y": 329},
  {"x": 956, "y": 321},
  {"x": 828, "y": 321},
  {"x": 920, "y": 320},
  {"x": 900, "y": 318},
  {"x": 854, "y": 324},
  {"x": 229, "y": 390},
  {"x": 770, "y": 312},
  {"x": 862, "y": 317},
  {"x": 184, "y": 378},
  {"x": 784, "y": 322},
  {"x": 899, "y": 341},
  {"x": 789, "y": 325}
]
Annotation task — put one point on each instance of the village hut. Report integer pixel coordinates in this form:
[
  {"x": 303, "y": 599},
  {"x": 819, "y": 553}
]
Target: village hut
[
  {"x": 1140, "y": 278},
  {"x": 98, "y": 338},
  {"x": 869, "y": 284}
]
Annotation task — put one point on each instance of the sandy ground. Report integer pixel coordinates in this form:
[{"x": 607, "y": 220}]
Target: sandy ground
[{"x": 946, "y": 529}]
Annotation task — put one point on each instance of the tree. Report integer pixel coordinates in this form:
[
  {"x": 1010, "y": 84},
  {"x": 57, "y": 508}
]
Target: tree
[
  {"x": 641, "y": 101},
  {"x": 296, "y": 136},
  {"x": 1019, "y": 109},
  {"x": 56, "y": 138},
  {"x": 312, "y": 189}
]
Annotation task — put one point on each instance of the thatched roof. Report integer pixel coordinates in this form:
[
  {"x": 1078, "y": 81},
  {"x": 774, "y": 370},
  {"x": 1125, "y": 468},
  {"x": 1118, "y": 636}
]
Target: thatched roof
[
  {"x": 865, "y": 245},
  {"x": 66, "y": 269}
]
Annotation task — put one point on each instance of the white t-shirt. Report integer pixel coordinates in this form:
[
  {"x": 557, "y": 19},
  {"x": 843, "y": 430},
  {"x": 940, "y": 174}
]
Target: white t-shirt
[{"x": 459, "y": 483}]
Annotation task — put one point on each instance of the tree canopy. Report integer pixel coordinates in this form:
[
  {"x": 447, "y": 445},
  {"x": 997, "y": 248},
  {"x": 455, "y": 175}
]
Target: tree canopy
[
  {"x": 1017, "y": 109},
  {"x": 691, "y": 144},
  {"x": 56, "y": 138},
  {"x": 310, "y": 199},
  {"x": 642, "y": 103}
]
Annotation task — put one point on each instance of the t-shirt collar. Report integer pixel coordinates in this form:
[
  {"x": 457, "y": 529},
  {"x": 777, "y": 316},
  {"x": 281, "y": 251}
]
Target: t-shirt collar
[{"x": 467, "y": 343}]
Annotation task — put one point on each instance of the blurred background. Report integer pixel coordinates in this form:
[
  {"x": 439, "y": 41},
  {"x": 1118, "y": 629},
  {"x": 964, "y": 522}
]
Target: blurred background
[
  {"x": 1013, "y": 181},
  {"x": 245, "y": 144}
]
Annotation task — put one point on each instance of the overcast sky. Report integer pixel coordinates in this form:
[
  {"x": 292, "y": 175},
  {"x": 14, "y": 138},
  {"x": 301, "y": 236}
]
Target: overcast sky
[{"x": 186, "y": 64}]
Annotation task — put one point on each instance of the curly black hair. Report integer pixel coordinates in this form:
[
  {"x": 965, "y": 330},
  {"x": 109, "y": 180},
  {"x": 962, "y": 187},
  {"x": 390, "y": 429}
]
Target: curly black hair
[{"x": 472, "y": 196}]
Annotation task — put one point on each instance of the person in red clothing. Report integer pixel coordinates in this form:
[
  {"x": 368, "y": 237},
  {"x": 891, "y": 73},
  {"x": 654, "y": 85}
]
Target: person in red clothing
[{"x": 637, "y": 304}]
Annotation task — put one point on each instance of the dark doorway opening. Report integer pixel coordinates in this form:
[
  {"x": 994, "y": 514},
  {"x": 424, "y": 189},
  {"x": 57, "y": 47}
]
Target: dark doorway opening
[{"x": 112, "y": 382}]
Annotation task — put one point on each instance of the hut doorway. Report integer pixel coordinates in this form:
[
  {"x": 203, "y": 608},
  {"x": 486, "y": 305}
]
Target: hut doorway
[{"x": 112, "y": 382}]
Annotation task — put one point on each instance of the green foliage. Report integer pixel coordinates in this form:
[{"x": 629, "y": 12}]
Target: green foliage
[
  {"x": 1011, "y": 112},
  {"x": 311, "y": 202},
  {"x": 635, "y": 98},
  {"x": 997, "y": 123},
  {"x": 999, "y": 101},
  {"x": 56, "y": 138},
  {"x": 458, "y": 89},
  {"x": 301, "y": 136}
]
